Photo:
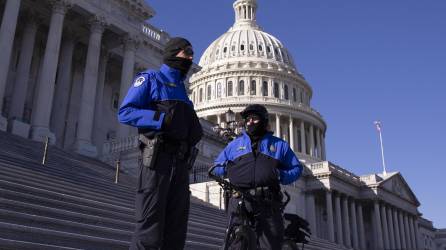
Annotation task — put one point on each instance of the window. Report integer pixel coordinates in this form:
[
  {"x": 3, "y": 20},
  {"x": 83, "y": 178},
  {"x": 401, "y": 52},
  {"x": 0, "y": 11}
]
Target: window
[
  {"x": 286, "y": 92},
  {"x": 253, "y": 87},
  {"x": 232, "y": 48},
  {"x": 209, "y": 92},
  {"x": 229, "y": 88},
  {"x": 276, "y": 90},
  {"x": 260, "y": 48},
  {"x": 302, "y": 97},
  {"x": 294, "y": 95},
  {"x": 241, "y": 87},
  {"x": 265, "y": 88},
  {"x": 276, "y": 51},
  {"x": 218, "y": 90},
  {"x": 268, "y": 49},
  {"x": 251, "y": 47},
  {"x": 242, "y": 47},
  {"x": 201, "y": 95},
  {"x": 225, "y": 49}
]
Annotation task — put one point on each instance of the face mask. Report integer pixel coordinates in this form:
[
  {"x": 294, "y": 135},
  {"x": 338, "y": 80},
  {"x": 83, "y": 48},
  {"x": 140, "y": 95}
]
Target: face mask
[
  {"x": 182, "y": 64},
  {"x": 255, "y": 129}
]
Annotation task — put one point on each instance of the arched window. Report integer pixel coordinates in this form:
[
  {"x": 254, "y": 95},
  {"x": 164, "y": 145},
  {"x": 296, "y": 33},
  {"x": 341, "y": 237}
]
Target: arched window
[
  {"x": 229, "y": 88},
  {"x": 286, "y": 92},
  {"x": 251, "y": 47},
  {"x": 233, "y": 48},
  {"x": 253, "y": 88},
  {"x": 265, "y": 88},
  {"x": 276, "y": 90},
  {"x": 241, "y": 87},
  {"x": 260, "y": 48},
  {"x": 225, "y": 49},
  {"x": 209, "y": 92},
  {"x": 242, "y": 47},
  {"x": 268, "y": 49},
  {"x": 294, "y": 95},
  {"x": 201, "y": 95},
  {"x": 218, "y": 90}
]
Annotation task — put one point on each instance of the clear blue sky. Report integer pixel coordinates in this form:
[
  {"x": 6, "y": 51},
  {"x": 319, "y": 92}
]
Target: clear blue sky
[{"x": 365, "y": 60}]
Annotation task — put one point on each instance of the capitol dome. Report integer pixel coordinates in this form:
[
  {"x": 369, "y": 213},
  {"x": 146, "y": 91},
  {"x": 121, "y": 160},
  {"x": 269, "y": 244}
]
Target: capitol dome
[{"x": 246, "y": 65}]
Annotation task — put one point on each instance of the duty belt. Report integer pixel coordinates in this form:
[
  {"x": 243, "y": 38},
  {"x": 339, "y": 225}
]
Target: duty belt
[{"x": 258, "y": 191}]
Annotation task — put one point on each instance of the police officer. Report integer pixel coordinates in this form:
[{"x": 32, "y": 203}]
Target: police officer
[
  {"x": 259, "y": 162},
  {"x": 158, "y": 105}
]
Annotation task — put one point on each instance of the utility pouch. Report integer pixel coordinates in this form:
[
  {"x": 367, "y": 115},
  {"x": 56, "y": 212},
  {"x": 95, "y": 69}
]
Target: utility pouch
[
  {"x": 192, "y": 157},
  {"x": 149, "y": 149}
]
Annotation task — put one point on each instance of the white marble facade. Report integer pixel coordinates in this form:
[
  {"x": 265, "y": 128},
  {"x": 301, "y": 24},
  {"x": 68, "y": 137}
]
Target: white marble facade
[{"x": 67, "y": 64}]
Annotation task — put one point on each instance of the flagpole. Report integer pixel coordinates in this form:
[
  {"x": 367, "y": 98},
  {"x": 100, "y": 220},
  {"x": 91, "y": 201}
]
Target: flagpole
[{"x": 378, "y": 127}]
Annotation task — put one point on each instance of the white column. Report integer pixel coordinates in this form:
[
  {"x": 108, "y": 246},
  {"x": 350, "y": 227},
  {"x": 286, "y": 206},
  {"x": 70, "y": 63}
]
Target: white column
[
  {"x": 361, "y": 228},
  {"x": 7, "y": 34},
  {"x": 354, "y": 225},
  {"x": 63, "y": 87},
  {"x": 84, "y": 143},
  {"x": 127, "y": 77},
  {"x": 385, "y": 228},
  {"x": 346, "y": 222},
  {"x": 417, "y": 233},
  {"x": 324, "y": 154},
  {"x": 407, "y": 232},
  {"x": 42, "y": 112},
  {"x": 390, "y": 223},
  {"x": 339, "y": 234},
  {"x": 378, "y": 228},
  {"x": 311, "y": 212},
  {"x": 329, "y": 205},
  {"x": 302, "y": 137},
  {"x": 219, "y": 119},
  {"x": 396, "y": 226},
  {"x": 99, "y": 98},
  {"x": 21, "y": 84},
  {"x": 311, "y": 140},
  {"x": 318, "y": 142},
  {"x": 412, "y": 233},
  {"x": 278, "y": 132},
  {"x": 402, "y": 230},
  {"x": 291, "y": 129}
]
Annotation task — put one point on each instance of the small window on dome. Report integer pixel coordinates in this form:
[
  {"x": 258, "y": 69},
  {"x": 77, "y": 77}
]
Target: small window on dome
[
  {"x": 260, "y": 48},
  {"x": 225, "y": 49},
  {"x": 268, "y": 49},
  {"x": 233, "y": 48},
  {"x": 242, "y": 47},
  {"x": 251, "y": 47},
  {"x": 276, "y": 51}
]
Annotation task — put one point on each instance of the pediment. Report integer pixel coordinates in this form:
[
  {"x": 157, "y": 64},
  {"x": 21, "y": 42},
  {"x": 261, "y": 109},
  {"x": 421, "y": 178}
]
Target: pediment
[{"x": 398, "y": 186}]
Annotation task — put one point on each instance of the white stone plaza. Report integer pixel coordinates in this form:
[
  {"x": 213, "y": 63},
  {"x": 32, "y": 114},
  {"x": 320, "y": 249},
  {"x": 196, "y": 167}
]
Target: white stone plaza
[{"x": 67, "y": 65}]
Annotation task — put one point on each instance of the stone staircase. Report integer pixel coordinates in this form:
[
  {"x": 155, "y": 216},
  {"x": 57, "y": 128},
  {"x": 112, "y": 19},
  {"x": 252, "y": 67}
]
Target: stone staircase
[{"x": 73, "y": 203}]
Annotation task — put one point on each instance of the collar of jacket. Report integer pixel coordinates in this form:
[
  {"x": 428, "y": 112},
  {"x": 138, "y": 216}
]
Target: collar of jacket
[{"x": 173, "y": 75}]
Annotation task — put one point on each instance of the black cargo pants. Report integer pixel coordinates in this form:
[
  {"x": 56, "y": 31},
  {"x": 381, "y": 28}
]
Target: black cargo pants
[
  {"x": 162, "y": 204},
  {"x": 268, "y": 222}
]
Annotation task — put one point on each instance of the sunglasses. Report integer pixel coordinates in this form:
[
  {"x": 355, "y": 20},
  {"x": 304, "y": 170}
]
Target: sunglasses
[{"x": 188, "y": 51}]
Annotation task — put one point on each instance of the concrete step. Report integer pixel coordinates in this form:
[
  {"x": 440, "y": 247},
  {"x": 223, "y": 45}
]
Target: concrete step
[{"x": 8, "y": 244}]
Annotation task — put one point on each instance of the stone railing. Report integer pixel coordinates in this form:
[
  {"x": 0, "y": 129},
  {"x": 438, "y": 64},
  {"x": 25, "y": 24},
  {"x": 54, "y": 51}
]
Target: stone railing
[
  {"x": 120, "y": 145},
  {"x": 206, "y": 105},
  {"x": 328, "y": 167},
  {"x": 154, "y": 33}
]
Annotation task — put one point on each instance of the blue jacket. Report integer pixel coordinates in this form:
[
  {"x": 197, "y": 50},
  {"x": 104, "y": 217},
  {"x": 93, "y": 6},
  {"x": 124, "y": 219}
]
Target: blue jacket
[
  {"x": 275, "y": 162},
  {"x": 152, "y": 96}
]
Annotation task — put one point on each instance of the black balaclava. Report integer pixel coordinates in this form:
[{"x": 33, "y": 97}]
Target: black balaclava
[
  {"x": 173, "y": 47},
  {"x": 256, "y": 130}
]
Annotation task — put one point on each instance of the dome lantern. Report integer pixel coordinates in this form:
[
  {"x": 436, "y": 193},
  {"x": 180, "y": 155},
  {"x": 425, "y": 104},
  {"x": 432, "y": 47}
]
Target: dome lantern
[{"x": 245, "y": 13}]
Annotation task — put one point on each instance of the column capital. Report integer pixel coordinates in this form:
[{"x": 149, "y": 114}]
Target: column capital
[
  {"x": 97, "y": 24},
  {"x": 61, "y": 6},
  {"x": 130, "y": 42}
]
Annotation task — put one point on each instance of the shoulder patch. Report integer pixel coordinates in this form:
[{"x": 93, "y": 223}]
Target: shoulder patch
[
  {"x": 139, "y": 81},
  {"x": 272, "y": 148},
  {"x": 241, "y": 148}
]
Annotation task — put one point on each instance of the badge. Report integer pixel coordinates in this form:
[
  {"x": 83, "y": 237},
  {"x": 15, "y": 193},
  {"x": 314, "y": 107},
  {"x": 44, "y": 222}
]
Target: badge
[
  {"x": 272, "y": 148},
  {"x": 171, "y": 84},
  {"x": 139, "y": 81},
  {"x": 241, "y": 148}
]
